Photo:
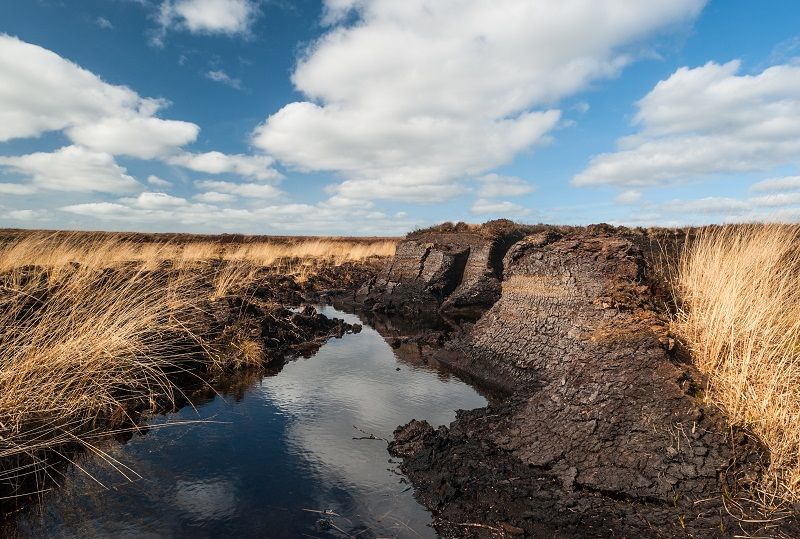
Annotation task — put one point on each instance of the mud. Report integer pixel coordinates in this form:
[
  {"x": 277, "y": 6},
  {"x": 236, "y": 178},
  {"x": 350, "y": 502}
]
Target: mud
[{"x": 602, "y": 430}]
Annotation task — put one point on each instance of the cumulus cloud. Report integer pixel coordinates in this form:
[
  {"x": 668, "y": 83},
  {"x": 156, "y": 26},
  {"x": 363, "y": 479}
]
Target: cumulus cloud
[
  {"x": 230, "y": 17},
  {"x": 223, "y": 78},
  {"x": 678, "y": 212},
  {"x": 705, "y": 121},
  {"x": 502, "y": 208},
  {"x": 72, "y": 168},
  {"x": 630, "y": 196},
  {"x": 248, "y": 190},
  {"x": 419, "y": 94},
  {"x": 145, "y": 138},
  {"x": 103, "y": 23},
  {"x": 707, "y": 205},
  {"x": 158, "y": 182},
  {"x": 776, "y": 200},
  {"x": 496, "y": 186},
  {"x": 40, "y": 91},
  {"x": 213, "y": 197},
  {"x": 154, "y": 209},
  {"x": 16, "y": 189},
  {"x": 785, "y": 183},
  {"x": 394, "y": 186},
  {"x": 258, "y": 167},
  {"x": 154, "y": 201},
  {"x": 27, "y": 215},
  {"x": 145, "y": 208}
]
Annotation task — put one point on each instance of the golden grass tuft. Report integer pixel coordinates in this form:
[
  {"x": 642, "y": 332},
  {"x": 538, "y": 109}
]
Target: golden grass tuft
[
  {"x": 79, "y": 350},
  {"x": 739, "y": 293}
]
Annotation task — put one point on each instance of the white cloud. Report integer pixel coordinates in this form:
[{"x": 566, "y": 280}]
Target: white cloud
[
  {"x": 252, "y": 166},
  {"x": 716, "y": 205},
  {"x": 27, "y": 215},
  {"x": 776, "y": 200},
  {"x": 145, "y": 138},
  {"x": 248, "y": 190},
  {"x": 628, "y": 197},
  {"x": 16, "y": 189},
  {"x": 147, "y": 208},
  {"x": 493, "y": 207},
  {"x": 582, "y": 107},
  {"x": 336, "y": 10},
  {"x": 677, "y": 212},
  {"x": 496, "y": 186},
  {"x": 158, "y": 182},
  {"x": 110, "y": 210},
  {"x": 217, "y": 16},
  {"x": 704, "y": 121},
  {"x": 223, "y": 78},
  {"x": 155, "y": 201},
  {"x": 422, "y": 93},
  {"x": 229, "y": 17},
  {"x": 155, "y": 210},
  {"x": 41, "y": 91},
  {"x": 213, "y": 197},
  {"x": 785, "y": 183},
  {"x": 103, "y": 23},
  {"x": 72, "y": 168},
  {"x": 397, "y": 186},
  {"x": 493, "y": 187}
]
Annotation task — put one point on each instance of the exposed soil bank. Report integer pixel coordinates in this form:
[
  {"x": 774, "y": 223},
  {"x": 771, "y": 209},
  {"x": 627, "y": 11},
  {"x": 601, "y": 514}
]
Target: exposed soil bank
[{"x": 603, "y": 431}]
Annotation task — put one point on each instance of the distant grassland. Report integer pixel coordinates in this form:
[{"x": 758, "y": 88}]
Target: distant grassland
[
  {"x": 93, "y": 325},
  {"x": 232, "y": 256}
]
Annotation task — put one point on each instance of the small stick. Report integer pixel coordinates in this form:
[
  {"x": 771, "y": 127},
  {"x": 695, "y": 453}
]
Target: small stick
[{"x": 369, "y": 435}]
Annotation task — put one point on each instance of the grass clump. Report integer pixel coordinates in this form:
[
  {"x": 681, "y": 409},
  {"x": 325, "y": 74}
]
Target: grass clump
[{"x": 739, "y": 292}]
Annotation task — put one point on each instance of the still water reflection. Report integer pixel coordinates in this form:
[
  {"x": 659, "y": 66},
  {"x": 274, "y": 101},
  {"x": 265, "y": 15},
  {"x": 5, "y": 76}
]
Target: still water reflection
[{"x": 267, "y": 463}]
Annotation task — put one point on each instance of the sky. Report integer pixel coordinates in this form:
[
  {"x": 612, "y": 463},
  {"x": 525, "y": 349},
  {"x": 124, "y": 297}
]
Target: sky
[{"x": 375, "y": 117}]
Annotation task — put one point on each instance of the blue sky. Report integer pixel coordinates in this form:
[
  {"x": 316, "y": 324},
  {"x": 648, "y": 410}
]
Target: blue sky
[{"x": 377, "y": 116}]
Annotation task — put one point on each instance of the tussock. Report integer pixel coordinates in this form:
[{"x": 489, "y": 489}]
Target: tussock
[{"x": 739, "y": 292}]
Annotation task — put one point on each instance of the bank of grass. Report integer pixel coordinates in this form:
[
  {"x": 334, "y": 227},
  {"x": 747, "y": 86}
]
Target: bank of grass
[
  {"x": 94, "y": 327},
  {"x": 739, "y": 297}
]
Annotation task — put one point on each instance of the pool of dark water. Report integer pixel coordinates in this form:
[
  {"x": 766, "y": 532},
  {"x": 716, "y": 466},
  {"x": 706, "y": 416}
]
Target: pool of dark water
[{"x": 279, "y": 458}]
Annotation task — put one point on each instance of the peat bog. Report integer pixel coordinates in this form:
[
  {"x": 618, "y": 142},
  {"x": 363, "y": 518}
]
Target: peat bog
[{"x": 310, "y": 387}]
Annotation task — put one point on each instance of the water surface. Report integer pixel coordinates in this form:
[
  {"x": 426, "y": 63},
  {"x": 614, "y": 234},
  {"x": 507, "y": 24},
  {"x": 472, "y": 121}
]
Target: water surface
[{"x": 270, "y": 461}]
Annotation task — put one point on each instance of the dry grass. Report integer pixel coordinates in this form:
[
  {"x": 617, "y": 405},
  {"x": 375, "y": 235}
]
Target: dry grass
[
  {"x": 79, "y": 350},
  {"x": 94, "y": 251},
  {"x": 93, "y": 326},
  {"x": 739, "y": 288}
]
